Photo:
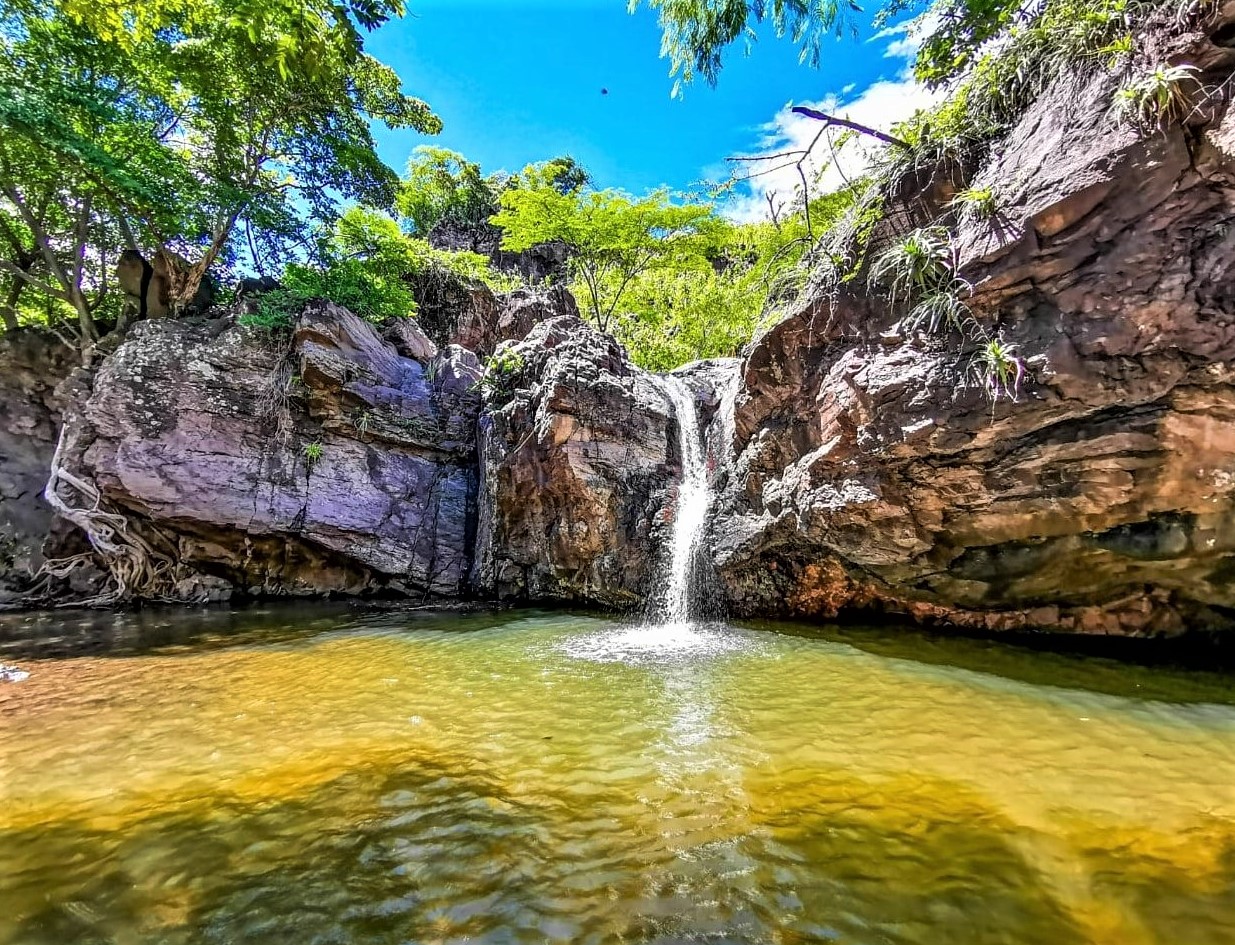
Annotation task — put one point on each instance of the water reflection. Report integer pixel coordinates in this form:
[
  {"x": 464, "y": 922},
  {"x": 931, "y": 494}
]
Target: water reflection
[
  {"x": 550, "y": 778},
  {"x": 665, "y": 644}
]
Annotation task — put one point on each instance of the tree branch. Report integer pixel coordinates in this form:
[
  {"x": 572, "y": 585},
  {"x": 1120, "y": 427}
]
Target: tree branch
[{"x": 830, "y": 120}]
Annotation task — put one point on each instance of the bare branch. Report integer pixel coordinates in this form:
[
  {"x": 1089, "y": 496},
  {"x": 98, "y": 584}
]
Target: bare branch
[{"x": 830, "y": 120}]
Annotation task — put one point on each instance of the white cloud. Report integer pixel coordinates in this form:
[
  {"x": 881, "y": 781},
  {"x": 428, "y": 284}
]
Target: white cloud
[{"x": 880, "y": 106}]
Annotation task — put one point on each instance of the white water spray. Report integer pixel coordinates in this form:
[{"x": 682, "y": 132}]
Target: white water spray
[{"x": 691, "y": 512}]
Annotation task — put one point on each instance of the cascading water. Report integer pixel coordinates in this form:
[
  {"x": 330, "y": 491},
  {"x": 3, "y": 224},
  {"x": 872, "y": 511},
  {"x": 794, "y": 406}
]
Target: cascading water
[{"x": 679, "y": 601}]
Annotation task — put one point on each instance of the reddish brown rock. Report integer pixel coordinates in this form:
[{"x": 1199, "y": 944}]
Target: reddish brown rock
[
  {"x": 578, "y": 454},
  {"x": 873, "y": 469}
]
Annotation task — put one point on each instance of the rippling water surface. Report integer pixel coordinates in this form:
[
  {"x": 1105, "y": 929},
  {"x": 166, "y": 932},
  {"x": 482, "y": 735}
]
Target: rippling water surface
[{"x": 331, "y": 777}]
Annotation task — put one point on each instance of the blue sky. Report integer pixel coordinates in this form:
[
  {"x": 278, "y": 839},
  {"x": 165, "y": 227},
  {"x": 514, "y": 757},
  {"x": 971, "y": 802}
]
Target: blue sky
[{"x": 517, "y": 81}]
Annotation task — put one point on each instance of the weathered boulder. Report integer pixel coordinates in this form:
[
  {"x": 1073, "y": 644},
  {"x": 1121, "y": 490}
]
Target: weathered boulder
[
  {"x": 873, "y": 469},
  {"x": 330, "y": 464},
  {"x": 578, "y": 459},
  {"x": 511, "y": 317},
  {"x": 536, "y": 264},
  {"x": 453, "y": 311}
]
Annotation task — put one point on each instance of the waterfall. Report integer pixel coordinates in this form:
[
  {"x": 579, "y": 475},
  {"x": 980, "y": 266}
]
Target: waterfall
[{"x": 681, "y": 580}]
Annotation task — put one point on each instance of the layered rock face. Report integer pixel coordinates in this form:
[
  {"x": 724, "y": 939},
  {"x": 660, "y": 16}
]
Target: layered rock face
[
  {"x": 335, "y": 464},
  {"x": 872, "y": 468},
  {"x": 855, "y": 463},
  {"x": 578, "y": 459},
  {"x": 31, "y": 365}
]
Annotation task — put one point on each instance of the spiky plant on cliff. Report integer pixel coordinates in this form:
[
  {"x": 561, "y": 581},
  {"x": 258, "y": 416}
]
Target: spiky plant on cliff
[{"x": 1157, "y": 98}]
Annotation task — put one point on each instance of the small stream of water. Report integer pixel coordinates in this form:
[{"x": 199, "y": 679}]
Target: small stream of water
[{"x": 678, "y": 604}]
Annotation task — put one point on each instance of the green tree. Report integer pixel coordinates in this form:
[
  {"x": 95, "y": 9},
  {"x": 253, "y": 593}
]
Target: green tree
[
  {"x": 83, "y": 147},
  {"x": 370, "y": 266},
  {"x": 443, "y": 186},
  {"x": 964, "y": 27},
  {"x": 697, "y": 31},
  {"x": 674, "y": 314},
  {"x": 179, "y": 123},
  {"x": 612, "y": 238}
]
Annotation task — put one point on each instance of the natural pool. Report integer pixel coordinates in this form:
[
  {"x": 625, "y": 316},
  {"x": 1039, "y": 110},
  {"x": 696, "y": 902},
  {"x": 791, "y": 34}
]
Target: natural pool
[{"x": 328, "y": 776}]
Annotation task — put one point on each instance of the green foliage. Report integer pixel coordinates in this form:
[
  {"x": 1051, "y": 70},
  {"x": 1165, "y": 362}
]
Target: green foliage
[
  {"x": 312, "y": 455},
  {"x": 998, "y": 369},
  {"x": 564, "y": 174},
  {"x": 941, "y": 307},
  {"x": 1154, "y": 99},
  {"x": 994, "y": 82},
  {"x": 917, "y": 266},
  {"x": 369, "y": 267},
  {"x": 613, "y": 238},
  {"x": 180, "y": 123},
  {"x": 501, "y": 375},
  {"x": 975, "y": 204},
  {"x": 697, "y": 31},
  {"x": 443, "y": 186},
  {"x": 918, "y": 271},
  {"x": 77, "y": 154},
  {"x": 674, "y": 314},
  {"x": 965, "y": 26}
]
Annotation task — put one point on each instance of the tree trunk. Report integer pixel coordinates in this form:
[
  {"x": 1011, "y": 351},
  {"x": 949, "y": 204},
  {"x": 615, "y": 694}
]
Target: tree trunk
[
  {"x": 85, "y": 321},
  {"x": 8, "y": 311}
]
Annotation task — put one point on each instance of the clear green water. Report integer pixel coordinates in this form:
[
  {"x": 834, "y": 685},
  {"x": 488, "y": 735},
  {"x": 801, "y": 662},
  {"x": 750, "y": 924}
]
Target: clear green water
[{"x": 327, "y": 777}]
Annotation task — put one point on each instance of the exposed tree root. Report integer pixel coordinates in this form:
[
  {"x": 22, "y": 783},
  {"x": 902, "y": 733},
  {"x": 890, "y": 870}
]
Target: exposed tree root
[
  {"x": 137, "y": 569},
  {"x": 274, "y": 398}
]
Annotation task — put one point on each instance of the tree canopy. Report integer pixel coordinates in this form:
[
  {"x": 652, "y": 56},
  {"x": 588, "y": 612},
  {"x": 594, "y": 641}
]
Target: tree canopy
[
  {"x": 696, "y": 32},
  {"x": 184, "y": 125}
]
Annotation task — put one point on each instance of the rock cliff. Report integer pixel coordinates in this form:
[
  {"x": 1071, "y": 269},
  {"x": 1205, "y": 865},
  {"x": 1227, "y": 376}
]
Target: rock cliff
[
  {"x": 872, "y": 469},
  {"x": 856, "y": 463},
  {"x": 330, "y": 463},
  {"x": 31, "y": 365},
  {"x": 578, "y": 455}
]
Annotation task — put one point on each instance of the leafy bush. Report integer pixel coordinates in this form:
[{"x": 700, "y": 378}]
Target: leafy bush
[
  {"x": 442, "y": 186},
  {"x": 354, "y": 284},
  {"x": 997, "y": 81},
  {"x": 370, "y": 268},
  {"x": 502, "y": 370}
]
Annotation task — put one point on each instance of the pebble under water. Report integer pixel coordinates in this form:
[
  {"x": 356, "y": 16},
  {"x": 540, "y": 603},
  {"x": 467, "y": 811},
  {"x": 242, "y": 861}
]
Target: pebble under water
[{"x": 300, "y": 776}]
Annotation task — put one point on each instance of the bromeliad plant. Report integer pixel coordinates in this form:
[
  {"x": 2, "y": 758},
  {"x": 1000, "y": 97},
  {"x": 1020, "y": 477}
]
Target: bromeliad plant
[
  {"x": 974, "y": 205},
  {"x": 920, "y": 271},
  {"x": 917, "y": 266},
  {"x": 1154, "y": 100},
  {"x": 998, "y": 369}
]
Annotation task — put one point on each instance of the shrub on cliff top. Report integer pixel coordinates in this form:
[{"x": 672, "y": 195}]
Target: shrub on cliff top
[{"x": 370, "y": 268}]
